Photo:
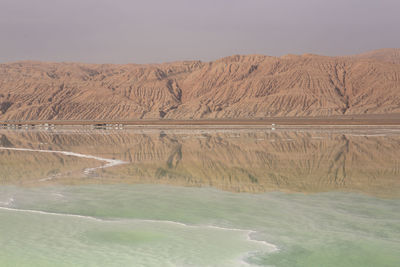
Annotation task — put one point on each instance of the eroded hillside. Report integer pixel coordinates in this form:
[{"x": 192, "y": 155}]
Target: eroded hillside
[{"x": 245, "y": 87}]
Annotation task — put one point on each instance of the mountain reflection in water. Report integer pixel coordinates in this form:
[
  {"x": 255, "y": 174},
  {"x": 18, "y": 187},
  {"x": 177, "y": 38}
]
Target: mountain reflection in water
[{"x": 239, "y": 160}]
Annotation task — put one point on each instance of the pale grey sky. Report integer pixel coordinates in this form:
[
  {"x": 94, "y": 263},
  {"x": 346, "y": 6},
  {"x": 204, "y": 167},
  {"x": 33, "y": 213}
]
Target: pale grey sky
[{"x": 146, "y": 31}]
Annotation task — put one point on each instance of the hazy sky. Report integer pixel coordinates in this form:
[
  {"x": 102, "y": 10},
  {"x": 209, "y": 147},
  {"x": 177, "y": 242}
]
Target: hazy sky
[{"x": 145, "y": 31}]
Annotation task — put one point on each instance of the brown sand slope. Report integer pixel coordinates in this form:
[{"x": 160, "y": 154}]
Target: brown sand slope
[{"x": 240, "y": 87}]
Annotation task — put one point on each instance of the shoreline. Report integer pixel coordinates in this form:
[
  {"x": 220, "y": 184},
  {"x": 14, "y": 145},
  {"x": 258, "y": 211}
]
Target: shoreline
[{"x": 347, "y": 120}]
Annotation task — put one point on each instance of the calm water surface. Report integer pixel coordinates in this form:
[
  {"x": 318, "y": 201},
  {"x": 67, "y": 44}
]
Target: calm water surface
[{"x": 200, "y": 197}]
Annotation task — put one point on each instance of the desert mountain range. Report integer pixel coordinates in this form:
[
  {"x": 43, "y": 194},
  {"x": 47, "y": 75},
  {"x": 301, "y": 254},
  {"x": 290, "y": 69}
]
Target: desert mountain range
[{"x": 245, "y": 87}]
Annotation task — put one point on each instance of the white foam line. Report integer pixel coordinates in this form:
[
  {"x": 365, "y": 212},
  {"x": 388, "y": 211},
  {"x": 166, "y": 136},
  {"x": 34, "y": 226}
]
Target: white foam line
[
  {"x": 52, "y": 213},
  {"x": 271, "y": 247},
  {"x": 109, "y": 162}
]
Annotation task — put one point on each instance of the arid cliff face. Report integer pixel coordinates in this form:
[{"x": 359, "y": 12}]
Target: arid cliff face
[{"x": 243, "y": 87}]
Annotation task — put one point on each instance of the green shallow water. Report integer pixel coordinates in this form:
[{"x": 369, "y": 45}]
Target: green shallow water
[
  {"x": 155, "y": 225},
  {"x": 200, "y": 197}
]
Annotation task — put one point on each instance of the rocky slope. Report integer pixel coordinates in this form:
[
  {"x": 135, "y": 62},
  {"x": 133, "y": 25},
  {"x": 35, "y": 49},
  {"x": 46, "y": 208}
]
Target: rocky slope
[
  {"x": 246, "y": 87},
  {"x": 390, "y": 55}
]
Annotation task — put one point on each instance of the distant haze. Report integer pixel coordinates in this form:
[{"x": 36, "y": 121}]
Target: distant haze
[{"x": 132, "y": 31}]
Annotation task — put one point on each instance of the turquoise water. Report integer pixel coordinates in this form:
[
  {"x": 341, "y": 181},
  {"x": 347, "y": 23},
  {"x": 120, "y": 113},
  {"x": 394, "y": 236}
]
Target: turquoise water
[
  {"x": 205, "y": 197},
  {"x": 154, "y": 225}
]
